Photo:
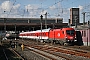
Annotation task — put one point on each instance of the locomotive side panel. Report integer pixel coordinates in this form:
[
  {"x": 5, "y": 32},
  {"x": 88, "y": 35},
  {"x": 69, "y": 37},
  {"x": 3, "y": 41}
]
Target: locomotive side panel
[
  {"x": 59, "y": 35},
  {"x": 65, "y": 35},
  {"x": 56, "y": 34}
]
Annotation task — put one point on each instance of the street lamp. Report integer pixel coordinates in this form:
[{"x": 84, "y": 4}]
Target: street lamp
[
  {"x": 33, "y": 28},
  {"x": 53, "y": 26},
  {"x": 41, "y": 24},
  {"x": 5, "y": 27},
  {"x": 83, "y": 18},
  {"x": 15, "y": 31},
  {"x": 46, "y": 20}
]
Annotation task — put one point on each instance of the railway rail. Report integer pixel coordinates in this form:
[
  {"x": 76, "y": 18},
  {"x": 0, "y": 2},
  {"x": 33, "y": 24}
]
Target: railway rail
[
  {"x": 48, "y": 55},
  {"x": 59, "y": 52},
  {"x": 7, "y": 53},
  {"x": 17, "y": 54}
]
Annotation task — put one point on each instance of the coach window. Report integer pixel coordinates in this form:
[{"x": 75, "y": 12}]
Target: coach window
[
  {"x": 44, "y": 34},
  {"x": 31, "y": 34},
  {"x": 20, "y": 34},
  {"x": 27, "y": 34},
  {"x": 37, "y": 34},
  {"x": 40, "y": 34}
]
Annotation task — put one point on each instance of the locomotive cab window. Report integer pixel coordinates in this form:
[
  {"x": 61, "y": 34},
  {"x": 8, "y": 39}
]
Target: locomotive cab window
[{"x": 70, "y": 32}]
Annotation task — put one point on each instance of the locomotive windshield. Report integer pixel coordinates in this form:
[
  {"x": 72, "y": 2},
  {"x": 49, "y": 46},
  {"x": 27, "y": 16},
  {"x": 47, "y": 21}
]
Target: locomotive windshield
[{"x": 70, "y": 32}]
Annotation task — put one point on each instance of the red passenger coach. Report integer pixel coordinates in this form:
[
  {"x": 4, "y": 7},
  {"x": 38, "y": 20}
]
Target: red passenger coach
[
  {"x": 62, "y": 36},
  {"x": 38, "y": 34}
]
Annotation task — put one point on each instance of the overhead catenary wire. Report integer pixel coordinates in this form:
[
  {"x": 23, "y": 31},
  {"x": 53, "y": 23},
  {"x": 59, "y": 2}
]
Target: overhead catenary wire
[
  {"x": 62, "y": 9},
  {"x": 11, "y": 9}
]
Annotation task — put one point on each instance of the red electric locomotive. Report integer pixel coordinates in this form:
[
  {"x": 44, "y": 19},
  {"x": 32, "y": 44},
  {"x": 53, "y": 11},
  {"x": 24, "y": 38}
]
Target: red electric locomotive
[{"x": 62, "y": 36}]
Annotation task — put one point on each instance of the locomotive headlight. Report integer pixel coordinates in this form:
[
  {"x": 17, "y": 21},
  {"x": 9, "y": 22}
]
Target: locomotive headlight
[
  {"x": 66, "y": 37},
  {"x": 75, "y": 37},
  {"x": 68, "y": 40},
  {"x": 7, "y": 35},
  {"x": 75, "y": 40}
]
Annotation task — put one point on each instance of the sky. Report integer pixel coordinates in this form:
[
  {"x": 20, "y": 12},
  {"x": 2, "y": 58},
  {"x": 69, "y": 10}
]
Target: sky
[{"x": 35, "y": 8}]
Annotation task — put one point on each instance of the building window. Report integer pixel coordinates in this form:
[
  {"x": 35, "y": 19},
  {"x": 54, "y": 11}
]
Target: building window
[{"x": 84, "y": 33}]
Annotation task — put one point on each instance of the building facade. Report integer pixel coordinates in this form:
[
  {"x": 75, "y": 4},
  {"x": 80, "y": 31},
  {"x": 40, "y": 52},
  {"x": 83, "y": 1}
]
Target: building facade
[{"x": 74, "y": 16}]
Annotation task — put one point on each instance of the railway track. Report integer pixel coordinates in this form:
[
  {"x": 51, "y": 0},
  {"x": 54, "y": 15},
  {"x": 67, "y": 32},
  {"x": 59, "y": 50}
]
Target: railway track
[
  {"x": 17, "y": 54},
  {"x": 7, "y": 53},
  {"x": 48, "y": 55},
  {"x": 54, "y": 52}
]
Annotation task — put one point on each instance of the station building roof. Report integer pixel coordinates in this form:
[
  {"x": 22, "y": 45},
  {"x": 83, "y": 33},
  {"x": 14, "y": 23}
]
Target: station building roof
[
  {"x": 31, "y": 20},
  {"x": 30, "y": 23}
]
